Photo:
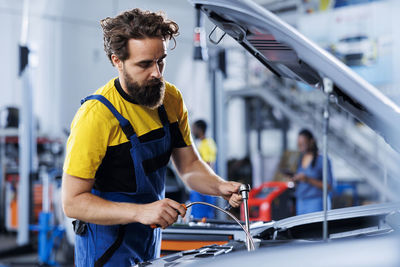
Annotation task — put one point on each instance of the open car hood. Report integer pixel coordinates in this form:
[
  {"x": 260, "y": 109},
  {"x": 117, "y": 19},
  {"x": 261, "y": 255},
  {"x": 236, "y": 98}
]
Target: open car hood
[
  {"x": 374, "y": 227},
  {"x": 287, "y": 53}
]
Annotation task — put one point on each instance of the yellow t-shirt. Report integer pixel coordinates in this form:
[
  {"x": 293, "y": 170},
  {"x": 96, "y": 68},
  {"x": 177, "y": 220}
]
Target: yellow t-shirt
[
  {"x": 98, "y": 148},
  {"x": 208, "y": 150}
]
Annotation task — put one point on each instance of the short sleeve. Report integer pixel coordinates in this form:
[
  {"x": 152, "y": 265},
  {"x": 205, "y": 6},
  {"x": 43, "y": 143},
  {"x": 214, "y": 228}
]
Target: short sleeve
[
  {"x": 183, "y": 120},
  {"x": 88, "y": 140}
]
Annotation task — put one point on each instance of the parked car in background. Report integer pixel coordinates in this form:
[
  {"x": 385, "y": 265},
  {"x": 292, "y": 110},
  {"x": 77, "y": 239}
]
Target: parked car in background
[{"x": 356, "y": 50}]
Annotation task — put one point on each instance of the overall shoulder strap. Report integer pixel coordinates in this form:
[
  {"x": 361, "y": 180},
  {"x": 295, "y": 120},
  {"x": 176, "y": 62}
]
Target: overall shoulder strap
[
  {"x": 163, "y": 115},
  {"x": 125, "y": 124}
]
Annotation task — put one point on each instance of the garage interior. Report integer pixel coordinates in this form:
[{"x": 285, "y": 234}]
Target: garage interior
[{"x": 53, "y": 57}]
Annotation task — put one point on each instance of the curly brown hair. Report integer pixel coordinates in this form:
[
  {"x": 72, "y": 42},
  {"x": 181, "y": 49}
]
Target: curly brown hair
[{"x": 136, "y": 24}]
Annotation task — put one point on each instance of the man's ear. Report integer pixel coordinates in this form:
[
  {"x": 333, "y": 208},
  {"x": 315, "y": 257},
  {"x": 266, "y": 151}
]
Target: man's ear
[{"x": 117, "y": 62}]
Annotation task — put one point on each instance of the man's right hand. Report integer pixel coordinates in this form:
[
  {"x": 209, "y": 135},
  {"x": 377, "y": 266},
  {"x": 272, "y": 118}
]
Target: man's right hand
[{"x": 162, "y": 213}]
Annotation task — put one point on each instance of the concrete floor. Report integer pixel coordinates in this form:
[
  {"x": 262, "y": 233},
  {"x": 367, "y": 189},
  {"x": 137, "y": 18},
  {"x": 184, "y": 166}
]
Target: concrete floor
[
  {"x": 7, "y": 241},
  {"x": 29, "y": 257}
]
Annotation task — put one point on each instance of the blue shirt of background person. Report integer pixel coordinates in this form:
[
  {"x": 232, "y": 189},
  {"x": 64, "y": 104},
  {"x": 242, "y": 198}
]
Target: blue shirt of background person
[{"x": 308, "y": 177}]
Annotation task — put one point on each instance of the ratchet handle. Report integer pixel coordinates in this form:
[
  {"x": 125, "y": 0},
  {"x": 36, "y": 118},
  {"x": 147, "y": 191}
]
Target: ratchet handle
[{"x": 154, "y": 226}]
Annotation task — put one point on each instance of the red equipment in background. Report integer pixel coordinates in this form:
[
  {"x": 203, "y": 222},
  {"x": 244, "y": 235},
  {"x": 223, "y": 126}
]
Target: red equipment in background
[{"x": 271, "y": 201}]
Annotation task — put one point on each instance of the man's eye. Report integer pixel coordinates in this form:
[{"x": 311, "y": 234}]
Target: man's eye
[
  {"x": 145, "y": 65},
  {"x": 160, "y": 62}
]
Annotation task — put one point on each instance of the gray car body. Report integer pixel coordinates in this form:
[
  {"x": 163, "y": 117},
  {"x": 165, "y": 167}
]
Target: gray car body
[{"x": 359, "y": 236}]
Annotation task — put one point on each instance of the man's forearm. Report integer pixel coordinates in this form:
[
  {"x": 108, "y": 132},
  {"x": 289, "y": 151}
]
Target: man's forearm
[
  {"x": 201, "y": 178},
  {"x": 80, "y": 203},
  {"x": 90, "y": 208}
]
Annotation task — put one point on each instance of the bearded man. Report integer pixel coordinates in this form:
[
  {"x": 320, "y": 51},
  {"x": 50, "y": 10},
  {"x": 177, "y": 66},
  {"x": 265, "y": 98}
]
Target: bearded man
[{"x": 121, "y": 141}]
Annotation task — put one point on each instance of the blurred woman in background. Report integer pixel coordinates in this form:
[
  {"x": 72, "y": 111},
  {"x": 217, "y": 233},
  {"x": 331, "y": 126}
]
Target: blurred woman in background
[{"x": 308, "y": 177}]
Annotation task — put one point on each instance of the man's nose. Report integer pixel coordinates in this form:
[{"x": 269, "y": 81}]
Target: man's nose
[{"x": 156, "y": 71}]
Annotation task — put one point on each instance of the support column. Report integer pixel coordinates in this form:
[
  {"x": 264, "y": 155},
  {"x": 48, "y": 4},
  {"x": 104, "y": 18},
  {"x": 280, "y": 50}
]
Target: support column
[{"x": 328, "y": 86}]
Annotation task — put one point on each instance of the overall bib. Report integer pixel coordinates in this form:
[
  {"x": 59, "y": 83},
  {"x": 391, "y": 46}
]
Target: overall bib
[{"x": 125, "y": 245}]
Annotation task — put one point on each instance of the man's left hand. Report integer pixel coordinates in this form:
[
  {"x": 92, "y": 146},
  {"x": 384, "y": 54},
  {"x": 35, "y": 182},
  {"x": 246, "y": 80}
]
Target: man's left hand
[{"x": 230, "y": 192}]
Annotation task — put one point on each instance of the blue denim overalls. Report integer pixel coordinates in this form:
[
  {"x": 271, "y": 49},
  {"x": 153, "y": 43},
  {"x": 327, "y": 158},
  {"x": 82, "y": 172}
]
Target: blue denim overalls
[{"x": 125, "y": 245}]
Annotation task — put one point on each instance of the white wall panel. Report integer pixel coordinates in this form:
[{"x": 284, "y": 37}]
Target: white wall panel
[
  {"x": 10, "y": 25},
  {"x": 66, "y": 40}
]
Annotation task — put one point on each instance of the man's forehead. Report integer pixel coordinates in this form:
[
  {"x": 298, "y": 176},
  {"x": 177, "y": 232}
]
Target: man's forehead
[{"x": 147, "y": 48}]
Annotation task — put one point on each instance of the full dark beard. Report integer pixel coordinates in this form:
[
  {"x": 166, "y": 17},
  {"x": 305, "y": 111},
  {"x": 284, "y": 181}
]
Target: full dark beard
[{"x": 150, "y": 94}]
